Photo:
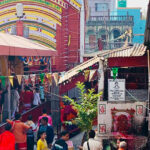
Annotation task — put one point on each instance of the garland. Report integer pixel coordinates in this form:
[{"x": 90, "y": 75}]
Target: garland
[{"x": 31, "y": 60}]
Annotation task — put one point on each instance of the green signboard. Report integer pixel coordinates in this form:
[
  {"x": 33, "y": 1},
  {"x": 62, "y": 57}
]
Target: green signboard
[{"x": 122, "y": 3}]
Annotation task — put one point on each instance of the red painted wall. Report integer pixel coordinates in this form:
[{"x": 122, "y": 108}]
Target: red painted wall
[
  {"x": 68, "y": 52},
  {"x": 19, "y": 28},
  {"x": 128, "y": 62}
]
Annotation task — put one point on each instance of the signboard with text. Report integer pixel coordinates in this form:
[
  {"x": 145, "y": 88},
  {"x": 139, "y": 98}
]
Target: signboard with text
[
  {"x": 122, "y": 3},
  {"x": 116, "y": 89}
]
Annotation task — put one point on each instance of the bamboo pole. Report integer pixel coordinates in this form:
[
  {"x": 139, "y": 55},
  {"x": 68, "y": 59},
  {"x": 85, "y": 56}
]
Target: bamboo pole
[{"x": 101, "y": 78}]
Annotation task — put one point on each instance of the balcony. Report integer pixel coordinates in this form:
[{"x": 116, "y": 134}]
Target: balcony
[
  {"x": 91, "y": 48},
  {"x": 110, "y": 21}
]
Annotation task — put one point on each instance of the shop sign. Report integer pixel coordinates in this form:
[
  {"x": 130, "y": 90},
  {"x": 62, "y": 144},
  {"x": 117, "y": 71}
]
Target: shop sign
[
  {"x": 122, "y": 3},
  {"x": 116, "y": 89}
]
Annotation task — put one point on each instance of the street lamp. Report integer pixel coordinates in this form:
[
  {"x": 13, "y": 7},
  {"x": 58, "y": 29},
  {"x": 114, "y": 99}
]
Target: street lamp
[
  {"x": 19, "y": 23},
  {"x": 19, "y": 10}
]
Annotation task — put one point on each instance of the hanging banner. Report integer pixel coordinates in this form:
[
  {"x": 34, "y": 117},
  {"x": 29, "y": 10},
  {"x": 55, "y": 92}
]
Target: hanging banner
[
  {"x": 11, "y": 78},
  {"x": 92, "y": 72},
  {"x": 19, "y": 77},
  {"x": 33, "y": 76},
  {"x": 26, "y": 79},
  {"x": 116, "y": 89},
  {"x": 86, "y": 74},
  {"x": 3, "y": 80},
  {"x": 49, "y": 77},
  {"x": 56, "y": 78}
]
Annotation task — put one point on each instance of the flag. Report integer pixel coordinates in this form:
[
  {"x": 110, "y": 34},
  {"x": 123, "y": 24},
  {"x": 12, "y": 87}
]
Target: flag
[
  {"x": 26, "y": 79},
  {"x": 11, "y": 78},
  {"x": 49, "y": 77},
  {"x": 19, "y": 77},
  {"x": 42, "y": 75},
  {"x": 92, "y": 72},
  {"x": 86, "y": 74},
  {"x": 3, "y": 80},
  {"x": 56, "y": 78},
  {"x": 33, "y": 76}
]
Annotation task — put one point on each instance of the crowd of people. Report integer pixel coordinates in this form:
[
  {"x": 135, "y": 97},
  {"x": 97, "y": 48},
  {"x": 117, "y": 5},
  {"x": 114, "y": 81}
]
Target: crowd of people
[
  {"x": 21, "y": 100},
  {"x": 20, "y": 135}
]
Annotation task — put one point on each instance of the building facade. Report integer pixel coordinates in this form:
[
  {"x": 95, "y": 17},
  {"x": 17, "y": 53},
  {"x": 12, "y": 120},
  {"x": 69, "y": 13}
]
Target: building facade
[
  {"x": 139, "y": 23},
  {"x": 106, "y": 32},
  {"x": 53, "y": 23},
  {"x": 101, "y": 7},
  {"x": 105, "y": 29}
]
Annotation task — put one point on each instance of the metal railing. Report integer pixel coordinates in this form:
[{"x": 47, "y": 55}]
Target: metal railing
[
  {"x": 90, "y": 48},
  {"x": 111, "y": 18}
]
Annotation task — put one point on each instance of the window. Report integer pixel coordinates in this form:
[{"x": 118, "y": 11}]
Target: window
[{"x": 101, "y": 6}]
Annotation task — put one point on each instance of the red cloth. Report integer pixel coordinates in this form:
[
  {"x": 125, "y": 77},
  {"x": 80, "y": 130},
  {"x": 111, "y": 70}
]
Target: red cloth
[
  {"x": 7, "y": 141},
  {"x": 100, "y": 44},
  {"x": 26, "y": 97},
  {"x": 49, "y": 119},
  {"x": 22, "y": 146}
]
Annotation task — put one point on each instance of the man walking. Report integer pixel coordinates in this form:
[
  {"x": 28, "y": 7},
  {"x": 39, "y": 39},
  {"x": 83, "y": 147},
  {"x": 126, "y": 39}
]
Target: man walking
[
  {"x": 45, "y": 115},
  {"x": 19, "y": 129},
  {"x": 48, "y": 129},
  {"x": 92, "y": 144},
  {"x": 61, "y": 143},
  {"x": 15, "y": 101}
]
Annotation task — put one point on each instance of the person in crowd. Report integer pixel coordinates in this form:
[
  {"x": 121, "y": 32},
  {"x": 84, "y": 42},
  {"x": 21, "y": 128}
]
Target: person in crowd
[
  {"x": 30, "y": 133},
  {"x": 2, "y": 100},
  {"x": 42, "y": 144},
  {"x": 48, "y": 129},
  {"x": 123, "y": 145},
  {"x": 92, "y": 144},
  {"x": 61, "y": 144},
  {"x": 45, "y": 115},
  {"x": 7, "y": 139},
  {"x": 41, "y": 88},
  {"x": 14, "y": 101},
  {"x": 26, "y": 99},
  {"x": 19, "y": 129},
  {"x": 36, "y": 100}
]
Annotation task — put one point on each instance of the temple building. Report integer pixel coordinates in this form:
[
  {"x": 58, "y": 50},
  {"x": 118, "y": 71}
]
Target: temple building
[{"x": 53, "y": 23}]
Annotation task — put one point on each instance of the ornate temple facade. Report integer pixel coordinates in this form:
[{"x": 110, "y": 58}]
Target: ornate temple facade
[{"x": 53, "y": 23}]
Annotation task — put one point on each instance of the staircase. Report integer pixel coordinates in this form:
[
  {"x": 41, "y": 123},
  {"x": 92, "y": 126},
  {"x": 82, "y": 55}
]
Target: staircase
[{"x": 35, "y": 112}]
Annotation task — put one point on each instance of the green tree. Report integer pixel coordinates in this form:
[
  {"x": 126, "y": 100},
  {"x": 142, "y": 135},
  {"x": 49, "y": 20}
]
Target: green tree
[{"x": 86, "y": 107}]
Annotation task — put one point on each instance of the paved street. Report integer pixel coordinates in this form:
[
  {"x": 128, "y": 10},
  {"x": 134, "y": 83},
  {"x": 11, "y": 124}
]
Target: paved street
[{"x": 77, "y": 140}]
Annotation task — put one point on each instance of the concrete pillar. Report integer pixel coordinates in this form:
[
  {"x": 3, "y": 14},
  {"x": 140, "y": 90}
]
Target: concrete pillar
[{"x": 101, "y": 77}]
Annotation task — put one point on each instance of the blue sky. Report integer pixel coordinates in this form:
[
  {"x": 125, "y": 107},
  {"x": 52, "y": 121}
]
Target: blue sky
[{"x": 80, "y": 1}]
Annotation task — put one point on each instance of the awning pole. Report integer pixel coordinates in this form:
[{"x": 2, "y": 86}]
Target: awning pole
[{"x": 148, "y": 58}]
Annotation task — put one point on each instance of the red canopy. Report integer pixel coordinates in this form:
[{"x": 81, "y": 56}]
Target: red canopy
[{"x": 13, "y": 45}]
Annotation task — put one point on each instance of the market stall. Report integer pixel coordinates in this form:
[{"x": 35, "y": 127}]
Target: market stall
[{"x": 15, "y": 53}]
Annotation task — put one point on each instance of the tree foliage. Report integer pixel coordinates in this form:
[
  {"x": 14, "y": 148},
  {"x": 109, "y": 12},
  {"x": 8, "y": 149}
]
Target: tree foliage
[{"x": 86, "y": 107}]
